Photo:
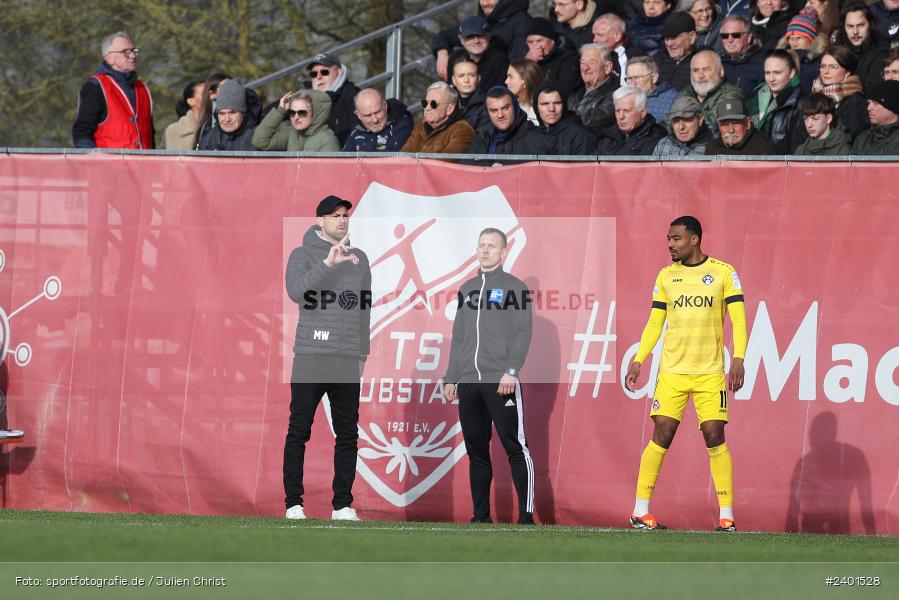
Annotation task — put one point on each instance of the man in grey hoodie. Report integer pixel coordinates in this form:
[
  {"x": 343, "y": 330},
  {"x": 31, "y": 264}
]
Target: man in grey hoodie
[{"x": 331, "y": 282}]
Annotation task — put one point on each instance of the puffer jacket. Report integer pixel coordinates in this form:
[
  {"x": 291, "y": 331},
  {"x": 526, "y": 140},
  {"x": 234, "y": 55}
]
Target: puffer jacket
[
  {"x": 274, "y": 134},
  {"x": 671, "y": 146},
  {"x": 240, "y": 139},
  {"x": 331, "y": 322}
]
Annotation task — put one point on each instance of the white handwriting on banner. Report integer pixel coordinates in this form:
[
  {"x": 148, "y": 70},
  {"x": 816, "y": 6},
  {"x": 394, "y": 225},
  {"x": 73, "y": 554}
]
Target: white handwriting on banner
[{"x": 841, "y": 383}]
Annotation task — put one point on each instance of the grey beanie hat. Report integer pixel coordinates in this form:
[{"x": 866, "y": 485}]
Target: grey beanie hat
[{"x": 232, "y": 96}]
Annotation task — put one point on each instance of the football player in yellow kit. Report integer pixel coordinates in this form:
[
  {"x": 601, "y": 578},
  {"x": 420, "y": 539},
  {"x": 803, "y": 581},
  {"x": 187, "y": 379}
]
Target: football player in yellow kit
[{"x": 691, "y": 294}]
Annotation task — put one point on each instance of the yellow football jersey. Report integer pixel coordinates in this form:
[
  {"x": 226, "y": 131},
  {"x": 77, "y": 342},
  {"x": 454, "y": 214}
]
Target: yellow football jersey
[{"x": 694, "y": 299}]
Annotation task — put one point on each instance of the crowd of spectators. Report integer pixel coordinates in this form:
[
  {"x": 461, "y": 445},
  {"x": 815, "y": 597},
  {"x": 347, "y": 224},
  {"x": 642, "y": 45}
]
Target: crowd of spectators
[{"x": 593, "y": 77}]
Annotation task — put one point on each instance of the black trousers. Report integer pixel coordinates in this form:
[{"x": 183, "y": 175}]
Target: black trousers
[
  {"x": 480, "y": 406},
  {"x": 304, "y": 400}
]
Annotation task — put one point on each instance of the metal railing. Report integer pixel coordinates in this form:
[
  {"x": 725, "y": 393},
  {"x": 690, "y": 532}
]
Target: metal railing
[
  {"x": 394, "y": 68},
  {"x": 486, "y": 159}
]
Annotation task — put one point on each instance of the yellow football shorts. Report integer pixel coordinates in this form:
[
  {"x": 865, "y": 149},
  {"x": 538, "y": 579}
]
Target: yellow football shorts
[{"x": 709, "y": 396}]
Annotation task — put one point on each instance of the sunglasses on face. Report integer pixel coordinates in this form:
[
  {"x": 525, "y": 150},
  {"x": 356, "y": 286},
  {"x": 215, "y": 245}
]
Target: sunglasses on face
[
  {"x": 320, "y": 73},
  {"x": 298, "y": 113},
  {"x": 735, "y": 35},
  {"x": 433, "y": 104}
]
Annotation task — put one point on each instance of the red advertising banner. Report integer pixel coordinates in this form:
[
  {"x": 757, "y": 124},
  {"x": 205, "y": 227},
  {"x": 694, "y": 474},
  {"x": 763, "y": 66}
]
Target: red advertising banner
[{"x": 147, "y": 338}]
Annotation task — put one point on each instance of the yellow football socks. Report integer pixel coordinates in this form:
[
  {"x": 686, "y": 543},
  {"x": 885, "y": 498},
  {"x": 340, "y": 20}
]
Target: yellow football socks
[
  {"x": 650, "y": 466},
  {"x": 722, "y": 468}
]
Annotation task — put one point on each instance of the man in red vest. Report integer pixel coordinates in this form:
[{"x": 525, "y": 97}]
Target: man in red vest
[{"x": 115, "y": 109}]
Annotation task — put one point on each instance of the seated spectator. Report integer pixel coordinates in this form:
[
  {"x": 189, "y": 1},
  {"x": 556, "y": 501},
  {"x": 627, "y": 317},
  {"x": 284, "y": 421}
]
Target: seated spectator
[
  {"x": 708, "y": 18},
  {"x": 559, "y": 133},
  {"x": 774, "y": 105},
  {"x": 207, "y": 108},
  {"x": 478, "y": 45},
  {"x": 859, "y": 33},
  {"x": 679, "y": 35},
  {"x": 507, "y": 20},
  {"x": 574, "y": 19},
  {"x": 738, "y": 136},
  {"x": 891, "y": 65},
  {"x": 522, "y": 78},
  {"x": 769, "y": 20},
  {"x": 466, "y": 80},
  {"x": 818, "y": 115},
  {"x": 688, "y": 134},
  {"x": 593, "y": 102},
  {"x": 839, "y": 82},
  {"x": 180, "y": 134},
  {"x": 804, "y": 38},
  {"x": 442, "y": 129},
  {"x": 555, "y": 55},
  {"x": 308, "y": 112},
  {"x": 328, "y": 75},
  {"x": 643, "y": 73},
  {"x": 610, "y": 30},
  {"x": 646, "y": 28},
  {"x": 509, "y": 127},
  {"x": 384, "y": 125},
  {"x": 882, "y": 138},
  {"x": 635, "y": 132},
  {"x": 742, "y": 58},
  {"x": 708, "y": 86},
  {"x": 234, "y": 125},
  {"x": 886, "y": 14}
]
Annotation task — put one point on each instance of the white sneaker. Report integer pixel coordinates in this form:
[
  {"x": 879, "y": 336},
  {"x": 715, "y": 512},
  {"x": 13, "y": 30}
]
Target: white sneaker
[
  {"x": 11, "y": 433},
  {"x": 345, "y": 514},
  {"x": 295, "y": 512}
]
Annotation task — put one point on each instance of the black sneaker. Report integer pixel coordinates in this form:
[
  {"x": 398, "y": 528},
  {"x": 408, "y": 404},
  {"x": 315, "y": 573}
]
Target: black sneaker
[
  {"x": 481, "y": 520},
  {"x": 526, "y": 518}
]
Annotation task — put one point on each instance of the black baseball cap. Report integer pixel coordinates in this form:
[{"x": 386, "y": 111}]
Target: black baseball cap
[
  {"x": 676, "y": 24},
  {"x": 330, "y": 204},
  {"x": 474, "y": 26}
]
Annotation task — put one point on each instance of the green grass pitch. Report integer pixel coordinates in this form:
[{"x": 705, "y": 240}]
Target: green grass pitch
[{"x": 225, "y": 557}]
